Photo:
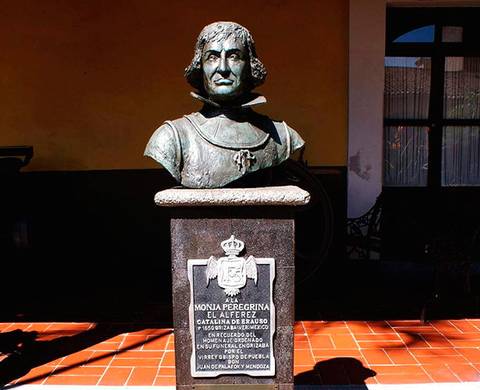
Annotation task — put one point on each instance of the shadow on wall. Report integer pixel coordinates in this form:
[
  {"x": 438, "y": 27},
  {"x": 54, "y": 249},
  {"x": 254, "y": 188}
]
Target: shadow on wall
[
  {"x": 91, "y": 242},
  {"x": 98, "y": 238},
  {"x": 338, "y": 371}
]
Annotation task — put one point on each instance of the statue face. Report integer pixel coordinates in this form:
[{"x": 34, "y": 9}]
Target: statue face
[{"x": 225, "y": 67}]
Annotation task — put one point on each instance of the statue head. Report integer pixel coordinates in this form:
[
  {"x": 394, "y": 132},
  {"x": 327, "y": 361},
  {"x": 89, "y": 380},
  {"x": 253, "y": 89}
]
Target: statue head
[{"x": 225, "y": 65}]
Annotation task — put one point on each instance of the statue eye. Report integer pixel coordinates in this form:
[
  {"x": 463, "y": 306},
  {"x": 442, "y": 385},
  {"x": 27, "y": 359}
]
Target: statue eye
[
  {"x": 234, "y": 56},
  {"x": 212, "y": 57}
]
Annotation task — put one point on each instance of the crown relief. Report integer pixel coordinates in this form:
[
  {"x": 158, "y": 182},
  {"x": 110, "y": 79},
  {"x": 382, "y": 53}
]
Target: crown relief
[
  {"x": 232, "y": 271},
  {"x": 232, "y": 246}
]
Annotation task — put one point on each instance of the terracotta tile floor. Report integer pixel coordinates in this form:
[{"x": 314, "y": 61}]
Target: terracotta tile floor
[{"x": 340, "y": 352}]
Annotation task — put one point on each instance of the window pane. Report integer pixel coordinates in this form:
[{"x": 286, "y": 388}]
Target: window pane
[
  {"x": 461, "y": 156},
  {"x": 407, "y": 87},
  {"x": 452, "y": 34},
  {"x": 419, "y": 35},
  {"x": 406, "y": 156},
  {"x": 462, "y": 88}
]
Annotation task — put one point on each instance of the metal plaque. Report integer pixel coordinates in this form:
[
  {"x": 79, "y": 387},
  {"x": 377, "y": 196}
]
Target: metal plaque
[{"x": 232, "y": 316}]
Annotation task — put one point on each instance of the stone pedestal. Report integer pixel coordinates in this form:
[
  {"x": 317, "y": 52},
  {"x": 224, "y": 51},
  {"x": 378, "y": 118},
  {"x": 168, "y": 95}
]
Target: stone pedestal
[{"x": 233, "y": 311}]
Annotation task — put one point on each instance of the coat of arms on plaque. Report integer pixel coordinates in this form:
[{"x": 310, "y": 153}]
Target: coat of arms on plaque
[{"x": 232, "y": 271}]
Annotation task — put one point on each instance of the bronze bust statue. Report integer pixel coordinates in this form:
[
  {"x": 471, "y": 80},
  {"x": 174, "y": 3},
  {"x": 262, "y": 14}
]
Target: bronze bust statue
[{"x": 226, "y": 140}]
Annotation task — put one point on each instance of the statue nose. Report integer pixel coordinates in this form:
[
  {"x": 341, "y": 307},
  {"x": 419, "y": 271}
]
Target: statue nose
[{"x": 223, "y": 67}]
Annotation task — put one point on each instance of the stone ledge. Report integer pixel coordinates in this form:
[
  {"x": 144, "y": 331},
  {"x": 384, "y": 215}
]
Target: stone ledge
[{"x": 258, "y": 196}]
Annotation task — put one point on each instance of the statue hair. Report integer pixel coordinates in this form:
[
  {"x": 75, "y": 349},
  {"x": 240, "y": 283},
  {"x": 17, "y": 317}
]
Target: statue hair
[{"x": 216, "y": 32}]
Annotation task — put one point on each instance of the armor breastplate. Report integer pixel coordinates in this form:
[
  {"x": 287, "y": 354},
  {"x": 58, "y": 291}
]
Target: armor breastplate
[
  {"x": 219, "y": 145},
  {"x": 219, "y": 150},
  {"x": 227, "y": 133}
]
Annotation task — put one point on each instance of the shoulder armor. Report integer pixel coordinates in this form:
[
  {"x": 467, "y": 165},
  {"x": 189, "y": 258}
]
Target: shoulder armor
[{"x": 165, "y": 147}]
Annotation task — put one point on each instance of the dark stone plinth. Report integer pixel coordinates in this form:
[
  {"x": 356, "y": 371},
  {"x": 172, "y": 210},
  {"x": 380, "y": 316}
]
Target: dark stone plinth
[{"x": 268, "y": 232}]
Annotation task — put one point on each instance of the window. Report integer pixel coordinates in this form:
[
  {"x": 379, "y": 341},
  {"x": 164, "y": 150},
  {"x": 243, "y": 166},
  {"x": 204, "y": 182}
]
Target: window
[
  {"x": 417, "y": 35},
  {"x": 432, "y": 97}
]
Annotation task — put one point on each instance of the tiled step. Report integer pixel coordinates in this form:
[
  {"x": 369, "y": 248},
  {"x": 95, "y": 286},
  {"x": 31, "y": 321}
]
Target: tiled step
[{"x": 373, "y": 353}]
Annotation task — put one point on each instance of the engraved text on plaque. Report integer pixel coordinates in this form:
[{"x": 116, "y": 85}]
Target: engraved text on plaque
[{"x": 232, "y": 316}]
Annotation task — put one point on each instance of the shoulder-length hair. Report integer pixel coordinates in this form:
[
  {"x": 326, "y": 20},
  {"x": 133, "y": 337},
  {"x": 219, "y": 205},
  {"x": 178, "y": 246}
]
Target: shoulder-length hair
[{"x": 216, "y": 32}]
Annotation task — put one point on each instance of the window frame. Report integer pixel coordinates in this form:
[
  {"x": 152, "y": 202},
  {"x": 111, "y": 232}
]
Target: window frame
[{"x": 402, "y": 20}]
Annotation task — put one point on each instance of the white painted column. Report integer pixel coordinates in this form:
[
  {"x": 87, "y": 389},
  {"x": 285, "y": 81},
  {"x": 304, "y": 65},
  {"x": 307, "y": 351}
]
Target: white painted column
[{"x": 365, "y": 107}]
